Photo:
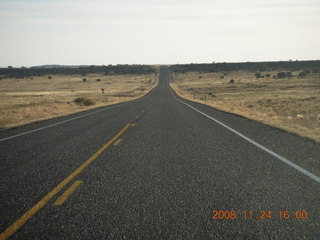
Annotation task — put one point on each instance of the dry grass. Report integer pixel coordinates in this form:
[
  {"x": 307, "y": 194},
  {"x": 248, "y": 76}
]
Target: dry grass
[
  {"x": 292, "y": 104},
  {"x": 28, "y": 100}
]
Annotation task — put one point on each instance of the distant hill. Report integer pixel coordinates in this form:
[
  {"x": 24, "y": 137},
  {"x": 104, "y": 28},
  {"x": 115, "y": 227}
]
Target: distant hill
[
  {"x": 75, "y": 69},
  {"x": 47, "y": 66},
  {"x": 251, "y": 66}
]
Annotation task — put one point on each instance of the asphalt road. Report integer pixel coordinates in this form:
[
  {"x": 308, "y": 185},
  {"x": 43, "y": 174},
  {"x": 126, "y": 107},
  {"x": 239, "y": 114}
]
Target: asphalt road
[{"x": 156, "y": 168}]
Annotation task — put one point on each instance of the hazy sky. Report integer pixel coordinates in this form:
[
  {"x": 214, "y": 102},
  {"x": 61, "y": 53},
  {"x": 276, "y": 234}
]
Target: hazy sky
[{"x": 35, "y": 32}]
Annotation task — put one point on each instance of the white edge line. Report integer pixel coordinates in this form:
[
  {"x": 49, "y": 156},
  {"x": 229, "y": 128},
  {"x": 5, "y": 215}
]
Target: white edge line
[
  {"x": 71, "y": 119},
  {"x": 295, "y": 166},
  {"x": 54, "y": 124}
]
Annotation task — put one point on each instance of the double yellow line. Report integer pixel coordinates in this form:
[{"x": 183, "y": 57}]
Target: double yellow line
[
  {"x": 32, "y": 211},
  {"x": 67, "y": 193}
]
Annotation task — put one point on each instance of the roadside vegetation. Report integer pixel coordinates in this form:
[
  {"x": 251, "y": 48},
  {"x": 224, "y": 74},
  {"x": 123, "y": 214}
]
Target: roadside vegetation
[
  {"x": 48, "y": 70},
  {"x": 28, "y": 99},
  {"x": 84, "y": 101},
  {"x": 287, "y": 98}
]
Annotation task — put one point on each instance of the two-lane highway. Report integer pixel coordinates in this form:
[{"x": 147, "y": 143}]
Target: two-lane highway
[{"x": 159, "y": 167}]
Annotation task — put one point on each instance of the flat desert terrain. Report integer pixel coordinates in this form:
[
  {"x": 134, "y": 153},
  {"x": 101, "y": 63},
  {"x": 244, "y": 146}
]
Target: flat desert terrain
[
  {"x": 33, "y": 99},
  {"x": 290, "y": 103}
]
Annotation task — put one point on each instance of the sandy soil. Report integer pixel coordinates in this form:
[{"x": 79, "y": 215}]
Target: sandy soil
[
  {"x": 28, "y": 100},
  {"x": 292, "y": 104}
]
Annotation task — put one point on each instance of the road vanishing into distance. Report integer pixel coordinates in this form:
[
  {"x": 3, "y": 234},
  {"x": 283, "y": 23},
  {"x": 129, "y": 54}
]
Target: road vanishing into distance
[{"x": 159, "y": 167}]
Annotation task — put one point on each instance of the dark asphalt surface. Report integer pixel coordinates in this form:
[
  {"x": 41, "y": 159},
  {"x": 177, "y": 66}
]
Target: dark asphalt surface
[{"x": 165, "y": 178}]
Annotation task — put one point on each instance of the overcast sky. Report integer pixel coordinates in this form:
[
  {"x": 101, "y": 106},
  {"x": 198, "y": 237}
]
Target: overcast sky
[{"x": 36, "y": 32}]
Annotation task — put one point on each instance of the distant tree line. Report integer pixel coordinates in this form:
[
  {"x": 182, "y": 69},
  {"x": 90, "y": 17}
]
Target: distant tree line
[
  {"x": 313, "y": 66},
  {"x": 108, "y": 70},
  {"x": 279, "y": 75}
]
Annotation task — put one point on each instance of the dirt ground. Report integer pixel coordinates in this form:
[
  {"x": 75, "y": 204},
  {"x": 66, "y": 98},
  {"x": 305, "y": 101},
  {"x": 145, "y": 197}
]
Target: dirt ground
[
  {"x": 292, "y": 104},
  {"x": 28, "y": 100}
]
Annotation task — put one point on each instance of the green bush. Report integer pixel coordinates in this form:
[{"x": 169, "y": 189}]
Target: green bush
[
  {"x": 302, "y": 74},
  {"x": 281, "y": 75},
  {"x": 259, "y": 75},
  {"x": 88, "y": 102},
  {"x": 84, "y": 101}
]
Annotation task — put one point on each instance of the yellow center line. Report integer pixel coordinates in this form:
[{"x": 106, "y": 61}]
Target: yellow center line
[
  {"x": 67, "y": 193},
  {"x": 32, "y": 211},
  {"x": 117, "y": 142},
  {"x": 133, "y": 124}
]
